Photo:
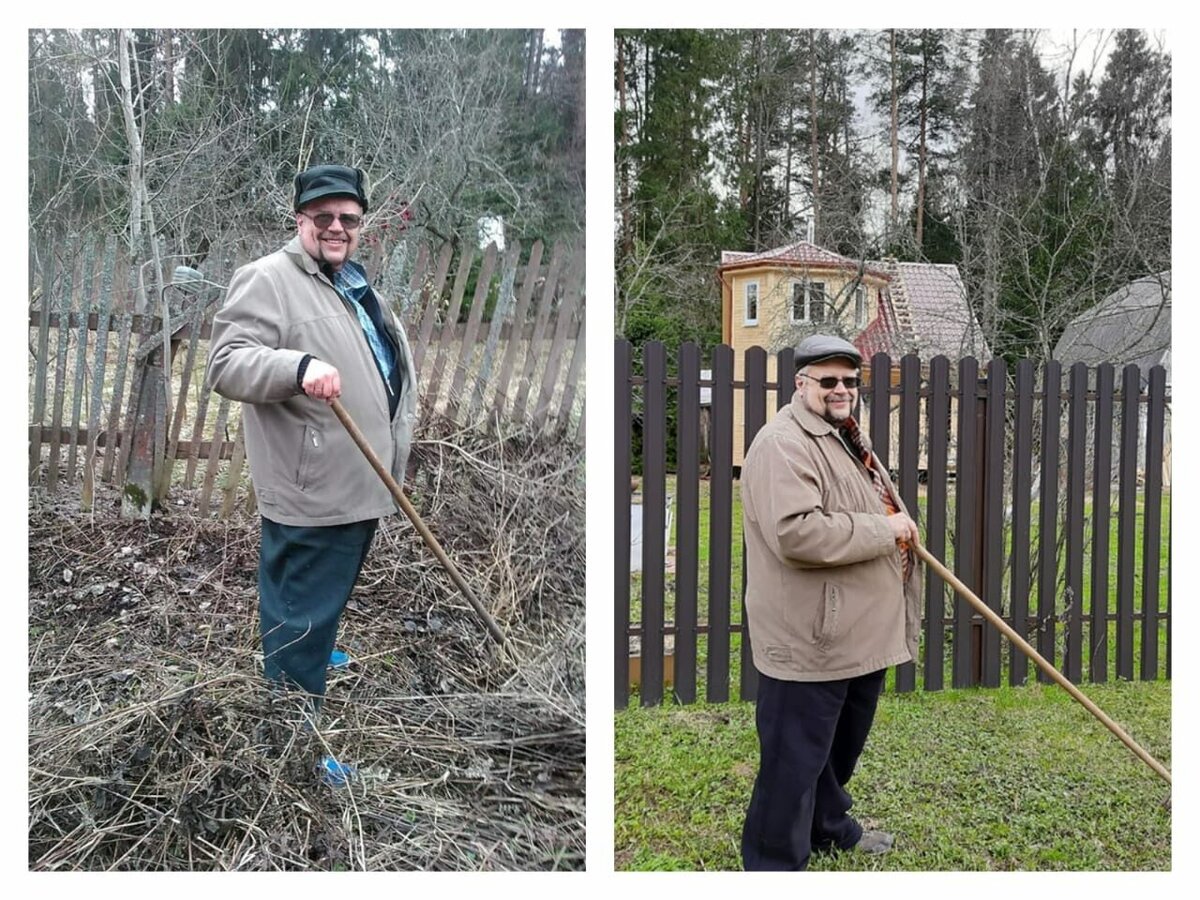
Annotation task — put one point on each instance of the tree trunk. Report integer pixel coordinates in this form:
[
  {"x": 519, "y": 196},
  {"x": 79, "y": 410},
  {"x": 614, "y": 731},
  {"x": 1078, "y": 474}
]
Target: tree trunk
[
  {"x": 813, "y": 136},
  {"x": 921, "y": 157},
  {"x": 895, "y": 222},
  {"x": 623, "y": 143}
]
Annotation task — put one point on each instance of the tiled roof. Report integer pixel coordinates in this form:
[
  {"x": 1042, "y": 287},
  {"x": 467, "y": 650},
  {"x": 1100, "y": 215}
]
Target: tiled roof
[
  {"x": 935, "y": 301},
  {"x": 801, "y": 253}
]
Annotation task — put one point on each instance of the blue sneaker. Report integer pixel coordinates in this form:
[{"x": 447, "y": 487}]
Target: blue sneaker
[
  {"x": 339, "y": 659},
  {"x": 336, "y": 774}
]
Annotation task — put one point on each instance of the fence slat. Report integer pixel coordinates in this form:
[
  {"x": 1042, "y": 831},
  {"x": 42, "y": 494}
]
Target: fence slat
[
  {"x": 1076, "y": 483},
  {"x": 185, "y": 379},
  {"x": 214, "y": 458},
  {"x": 1022, "y": 498},
  {"x": 881, "y": 407},
  {"x": 1047, "y": 645},
  {"x": 446, "y": 332},
  {"x": 504, "y": 382},
  {"x": 90, "y": 283},
  {"x": 1152, "y": 527},
  {"x": 574, "y": 374},
  {"x": 43, "y": 357},
  {"x": 755, "y": 406},
  {"x": 993, "y": 515},
  {"x": 687, "y": 522},
  {"x": 654, "y": 492},
  {"x": 1127, "y": 521},
  {"x": 70, "y": 281},
  {"x": 431, "y": 297},
  {"x": 566, "y": 314},
  {"x": 720, "y": 533},
  {"x": 785, "y": 377},
  {"x": 235, "y": 471},
  {"x": 622, "y": 478},
  {"x": 1101, "y": 509},
  {"x": 546, "y": 301},
  {"x": 466, "y": 353},
  {"x": 968, "y": 499},
  {"x": 909, "y": 462},
  {"x": 136, "y": 376},
  {"x": 410, "y": 304},
  {"x": 938, "y": 429},
  {"x": 501, "y": 312}
]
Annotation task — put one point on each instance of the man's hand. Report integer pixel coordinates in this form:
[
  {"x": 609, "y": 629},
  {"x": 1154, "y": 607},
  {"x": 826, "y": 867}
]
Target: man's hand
[
  {"x": 321, "y": 381},
  {"x": 904, "y": 528}
]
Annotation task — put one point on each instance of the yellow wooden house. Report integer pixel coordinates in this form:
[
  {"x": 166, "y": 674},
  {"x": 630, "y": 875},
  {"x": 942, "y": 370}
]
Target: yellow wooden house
[{"x": 774, "y": 298}]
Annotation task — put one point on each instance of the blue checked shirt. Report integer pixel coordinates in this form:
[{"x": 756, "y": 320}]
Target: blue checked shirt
[{"x": 351, "y": 284}]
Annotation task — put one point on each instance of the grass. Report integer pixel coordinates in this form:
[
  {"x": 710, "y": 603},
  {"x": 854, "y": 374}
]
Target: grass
[{"x": 1006, "y": 779}]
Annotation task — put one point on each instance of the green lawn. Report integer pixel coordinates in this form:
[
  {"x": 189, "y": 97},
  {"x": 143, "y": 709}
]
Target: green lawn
[{"x": 1005, "y": 779}]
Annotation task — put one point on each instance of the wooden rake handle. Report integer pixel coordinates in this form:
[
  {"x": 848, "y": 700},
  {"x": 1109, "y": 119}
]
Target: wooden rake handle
[
  {"x": 430, "y": 541},
  {"x": 1025, "y": 647}
]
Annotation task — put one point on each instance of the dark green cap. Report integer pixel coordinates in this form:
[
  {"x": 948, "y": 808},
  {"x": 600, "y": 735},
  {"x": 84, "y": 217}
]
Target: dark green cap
[{"x": 316, "y": 182}]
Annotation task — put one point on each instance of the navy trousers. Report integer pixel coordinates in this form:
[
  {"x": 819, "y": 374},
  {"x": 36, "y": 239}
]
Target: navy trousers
[
  {"x": 810, "y": 735},
  {"x": 305, "y": 575}
]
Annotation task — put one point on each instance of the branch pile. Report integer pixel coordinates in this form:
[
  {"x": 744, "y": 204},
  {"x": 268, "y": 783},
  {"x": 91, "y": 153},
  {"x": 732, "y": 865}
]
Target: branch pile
[{"x": 155, "y": 745}]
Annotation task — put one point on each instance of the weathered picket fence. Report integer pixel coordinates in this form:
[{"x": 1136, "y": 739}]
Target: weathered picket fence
[{"x": 500, "y": 344}]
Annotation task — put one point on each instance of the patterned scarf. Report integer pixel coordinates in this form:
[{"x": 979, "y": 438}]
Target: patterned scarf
[
  {"x": 350, "y": 283},
  {"x": 853, "y": 437}
]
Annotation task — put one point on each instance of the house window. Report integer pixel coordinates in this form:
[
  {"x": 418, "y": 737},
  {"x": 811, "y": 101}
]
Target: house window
[
  {"x": 808, "y": 301},
  {"x": 752, "y": 303},
  {"x": 860, "y": 306}
]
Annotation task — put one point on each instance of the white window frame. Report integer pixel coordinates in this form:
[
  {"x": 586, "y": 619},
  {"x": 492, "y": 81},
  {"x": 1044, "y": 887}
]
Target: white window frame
[
  {"x": 747, "y": 319},
  {"x": 807, "y": 288},
  {"x": 860, "y": 306}
]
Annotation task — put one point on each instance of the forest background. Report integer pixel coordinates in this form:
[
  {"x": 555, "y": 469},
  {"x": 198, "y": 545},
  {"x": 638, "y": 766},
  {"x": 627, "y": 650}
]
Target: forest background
[{"x": 1043, "y": 173}]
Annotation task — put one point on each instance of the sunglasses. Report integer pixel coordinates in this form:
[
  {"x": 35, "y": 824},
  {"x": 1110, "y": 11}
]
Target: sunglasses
[
  {"x": 349, "y": 221},
  {"x": 829, "y": 382}
]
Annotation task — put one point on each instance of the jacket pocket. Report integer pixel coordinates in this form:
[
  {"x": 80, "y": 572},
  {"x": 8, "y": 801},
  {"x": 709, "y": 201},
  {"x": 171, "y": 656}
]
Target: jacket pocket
[
  {"x": 309, "y": 447},
  {"x": 825, "y": 627}
]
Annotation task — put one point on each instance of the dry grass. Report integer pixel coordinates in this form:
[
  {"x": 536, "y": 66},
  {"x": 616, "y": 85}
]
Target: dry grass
[{"x": 154, "y": 744}]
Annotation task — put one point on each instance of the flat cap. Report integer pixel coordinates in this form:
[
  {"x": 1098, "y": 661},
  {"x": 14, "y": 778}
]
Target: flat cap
[
  {"x": 316, "y": 182},
  {"x": 820, "y": 347}
]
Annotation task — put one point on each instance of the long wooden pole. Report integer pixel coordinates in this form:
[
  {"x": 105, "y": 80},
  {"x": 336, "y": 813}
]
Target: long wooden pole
[
  {"x": 397, "y": 492},
  {"x": 1045, "y": 666}
]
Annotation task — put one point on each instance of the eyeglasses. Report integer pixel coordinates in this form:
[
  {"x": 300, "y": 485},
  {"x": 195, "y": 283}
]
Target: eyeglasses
[
  {"x": 349, "y": 221},
  {"x": 829, "y": 382}
]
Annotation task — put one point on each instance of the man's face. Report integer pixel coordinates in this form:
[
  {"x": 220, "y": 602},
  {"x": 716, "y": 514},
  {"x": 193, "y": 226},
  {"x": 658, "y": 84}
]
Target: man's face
[
  {"x": 334, "y": 244},
  {"x": 831, "y": 404}
]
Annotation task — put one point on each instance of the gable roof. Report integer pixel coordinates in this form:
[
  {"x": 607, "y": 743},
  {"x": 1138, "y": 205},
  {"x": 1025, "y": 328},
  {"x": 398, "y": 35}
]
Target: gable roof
[
  {"x": 800, "y": 254},
  {"x": 931, "y": 309},
  {"x": 1130, "y": 325}
]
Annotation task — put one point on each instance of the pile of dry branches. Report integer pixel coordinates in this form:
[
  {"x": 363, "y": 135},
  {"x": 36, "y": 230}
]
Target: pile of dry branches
[{"x": 154, "y": 743}]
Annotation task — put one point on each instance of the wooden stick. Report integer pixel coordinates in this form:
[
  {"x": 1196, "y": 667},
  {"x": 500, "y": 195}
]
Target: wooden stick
[
  {"x": 1045, "y": 666},
  {"x": 398, "y": 493}
]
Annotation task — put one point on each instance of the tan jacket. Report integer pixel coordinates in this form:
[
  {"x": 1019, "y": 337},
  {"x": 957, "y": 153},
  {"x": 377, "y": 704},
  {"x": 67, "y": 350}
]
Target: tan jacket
[
  {"x": 824, "y": 597},
  {"x": 305, "y": 467}
]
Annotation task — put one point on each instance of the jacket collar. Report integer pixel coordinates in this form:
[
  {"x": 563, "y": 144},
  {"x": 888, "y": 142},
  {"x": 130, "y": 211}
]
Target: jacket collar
[
  {"x": 806, "y": 418},
  {"x": 300, "y": 257}
]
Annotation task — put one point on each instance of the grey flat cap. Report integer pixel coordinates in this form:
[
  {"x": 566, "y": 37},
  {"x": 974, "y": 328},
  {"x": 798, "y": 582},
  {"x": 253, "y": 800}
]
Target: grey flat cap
[{"x": 820, "y": 347}]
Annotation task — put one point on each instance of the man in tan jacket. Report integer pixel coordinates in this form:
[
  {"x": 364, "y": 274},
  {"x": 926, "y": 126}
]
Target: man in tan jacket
[
  {"x": 832, "y": 600},
  {"x": 299, "y": 327}
]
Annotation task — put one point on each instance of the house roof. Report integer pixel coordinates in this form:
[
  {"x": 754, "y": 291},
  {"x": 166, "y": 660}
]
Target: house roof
[
  {"x": 930, "y": 304},
  {"x": 799, "y": 254},
  {"x": 1130, "y": 325}
]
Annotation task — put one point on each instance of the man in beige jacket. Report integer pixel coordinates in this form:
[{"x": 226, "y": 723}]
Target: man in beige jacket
[
  {"x": 300, "y": 327},
  {"x": 832, "y": 600}
]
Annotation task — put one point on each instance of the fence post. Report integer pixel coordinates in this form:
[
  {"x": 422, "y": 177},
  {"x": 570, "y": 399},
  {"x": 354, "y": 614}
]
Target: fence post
[
  {"x": 654, "y": 473},
  {"x": 1018, "y": 667},
  {"x": 1127, "y": 523},
  {"x": 623, "y": 459},
  {"x": 909, "y": 463},
  {"x": 968, "y": 500},
  {"x": 1076, "y": 466},
  {"x": 720, "y": 535},
  {"x": 938, "y": 425},
  {"x": 1152, "y": 526},
  {"x": 687, "y": 522},
  {"x": 1101, "y": 510},
  {"x": 1048, "y": 519},
  {"x": 992, "y": 532},
  {"x": 755, "y": 406}
]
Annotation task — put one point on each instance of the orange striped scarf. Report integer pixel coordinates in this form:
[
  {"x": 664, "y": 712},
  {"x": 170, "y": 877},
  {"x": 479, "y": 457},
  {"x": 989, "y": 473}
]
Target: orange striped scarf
[{"x": 854, "y": 438}]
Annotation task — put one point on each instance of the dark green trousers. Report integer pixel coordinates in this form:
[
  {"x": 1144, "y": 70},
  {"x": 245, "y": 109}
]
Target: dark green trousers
[{"x": 305, "y": 575}]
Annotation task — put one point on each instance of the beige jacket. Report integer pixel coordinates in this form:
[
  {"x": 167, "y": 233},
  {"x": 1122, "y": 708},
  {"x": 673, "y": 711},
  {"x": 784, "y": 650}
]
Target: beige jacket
[
  {"x": 305, "y": 467},
  {"x": 824, "y": 597}
]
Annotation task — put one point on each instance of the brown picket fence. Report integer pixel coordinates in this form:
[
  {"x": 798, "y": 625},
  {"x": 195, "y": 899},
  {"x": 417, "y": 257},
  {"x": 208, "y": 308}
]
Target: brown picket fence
[
  {"x": 1078, "y": 562},
  {"x": 512, "y": 359}
]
